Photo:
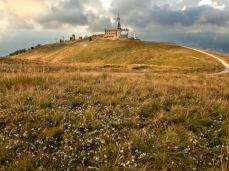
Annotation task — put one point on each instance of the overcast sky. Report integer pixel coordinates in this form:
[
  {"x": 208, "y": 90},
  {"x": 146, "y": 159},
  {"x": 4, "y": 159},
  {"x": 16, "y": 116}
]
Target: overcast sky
[{"x": 26, "y": 23}]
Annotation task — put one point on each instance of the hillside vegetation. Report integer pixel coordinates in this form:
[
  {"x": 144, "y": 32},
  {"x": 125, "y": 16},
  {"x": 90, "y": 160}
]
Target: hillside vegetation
[
  {"x": 113, "y": 121},
  {"x": 87, "y": 111},
  {"x": 123, "y": 53}
]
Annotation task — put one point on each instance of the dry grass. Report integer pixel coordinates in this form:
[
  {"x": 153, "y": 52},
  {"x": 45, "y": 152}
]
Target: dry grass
[
  {"x": 123, "y": 52},
  {"x": 111, "y": 118},
  {"x": 224, "y": 57}
]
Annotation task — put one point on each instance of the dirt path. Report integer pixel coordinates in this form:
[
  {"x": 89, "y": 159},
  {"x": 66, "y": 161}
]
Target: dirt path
[{"x": 226, "y": 70}]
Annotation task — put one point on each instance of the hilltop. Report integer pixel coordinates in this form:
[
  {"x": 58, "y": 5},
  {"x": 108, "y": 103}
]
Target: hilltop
[
  {"x": 113, "y": 104},
  {"x": 123, "y": 52}
]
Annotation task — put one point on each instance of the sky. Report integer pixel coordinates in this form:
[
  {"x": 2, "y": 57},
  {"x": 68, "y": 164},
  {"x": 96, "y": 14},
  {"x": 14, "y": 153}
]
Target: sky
[{"x": 26, "y": 23}]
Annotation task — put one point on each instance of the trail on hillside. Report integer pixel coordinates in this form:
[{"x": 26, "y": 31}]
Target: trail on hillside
[{"x": 226, "y": 70}]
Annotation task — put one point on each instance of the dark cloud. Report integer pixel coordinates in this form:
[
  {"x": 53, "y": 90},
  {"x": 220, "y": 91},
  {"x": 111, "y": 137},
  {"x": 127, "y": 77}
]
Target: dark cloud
[
  {"x": 191, "y": 16},
  {"x": 99, "y": 24},
  {"x": 68, "y": 12},
  {"x": 213, "y": 16},
  {"x": 126, "y": 7},
  {"x": 74, "y": 13},
  {"x": 149, "y": 14},
  {"x": 164, "y": 15}
]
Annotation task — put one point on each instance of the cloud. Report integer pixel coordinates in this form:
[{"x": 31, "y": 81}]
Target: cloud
[
  {"x": 184, "y": 8},
  {"x": 125, "y": 7},
  {"x": 26, "y": 8},
  {"x": 212, "y": 4},
  {"x": 68, "y": 12},
  {"x": 97, "y": 15},
  {"x": 190, "y": 16},
  {"x": 28, "y": 14},
  {"x": 106, "y": 3},
  {"x": 21, "y": 15},
  {"x": 163, "y": 17},
  {"x": 99, "y": 24},
  {"x": 214, "y": 17}
]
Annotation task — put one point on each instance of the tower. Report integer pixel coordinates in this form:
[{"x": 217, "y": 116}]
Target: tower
[
  {"x": 73, "y": 37},
  {"x": 118, "y": 23},
  {"x": 118, "y": 32},
  {"x": 134, "y": 34}
]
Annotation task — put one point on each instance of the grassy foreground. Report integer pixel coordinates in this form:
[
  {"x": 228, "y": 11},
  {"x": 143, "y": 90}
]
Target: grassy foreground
[{"x": 76, "y": 119}]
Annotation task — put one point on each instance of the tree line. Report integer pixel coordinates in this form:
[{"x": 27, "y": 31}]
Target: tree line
[
  {"x": 17, "y": 52},
  {"x": 22, "y": 50}
]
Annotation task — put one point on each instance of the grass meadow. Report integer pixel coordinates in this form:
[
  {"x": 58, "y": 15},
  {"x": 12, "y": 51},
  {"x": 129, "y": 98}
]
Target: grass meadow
[
  {"x": 74, "y": 117},
  {"x": 122, "y": 53}
]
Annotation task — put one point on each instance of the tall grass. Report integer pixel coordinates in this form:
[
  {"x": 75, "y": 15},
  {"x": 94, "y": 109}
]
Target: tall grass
[{"x": 104, "y": 120}]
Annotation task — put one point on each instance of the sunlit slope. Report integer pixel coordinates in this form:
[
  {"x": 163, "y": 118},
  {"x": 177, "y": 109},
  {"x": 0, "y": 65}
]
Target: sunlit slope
[{"x": 121, "y": 52}]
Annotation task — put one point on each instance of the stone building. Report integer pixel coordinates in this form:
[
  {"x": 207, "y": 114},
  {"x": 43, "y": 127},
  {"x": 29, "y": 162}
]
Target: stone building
[{"x": 116, "y": 33}]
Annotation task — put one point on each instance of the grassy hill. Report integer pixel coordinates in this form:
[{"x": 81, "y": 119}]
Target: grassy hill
[
  {"x": 92, "y": 106},
  {"x": 123, "y": 52}
]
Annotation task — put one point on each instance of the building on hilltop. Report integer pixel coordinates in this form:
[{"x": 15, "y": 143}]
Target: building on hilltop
[
  {"x": 73, "y": 37},
  {"x": 116, "y": 33}
]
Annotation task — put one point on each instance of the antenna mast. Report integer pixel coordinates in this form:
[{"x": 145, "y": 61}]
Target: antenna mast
[
  {"x": 118, "y": 21},
  {"x": 134, "y": 34}
]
